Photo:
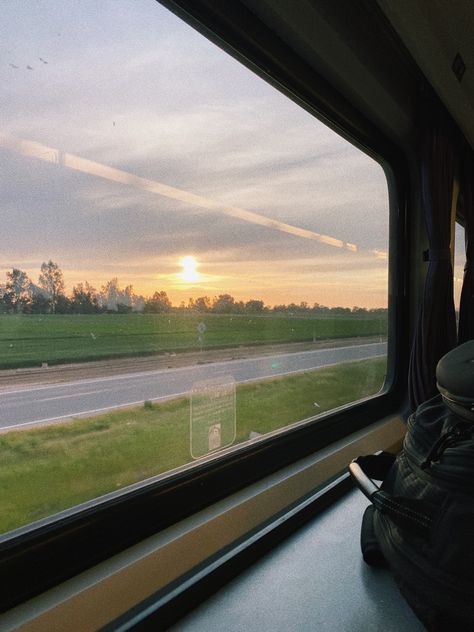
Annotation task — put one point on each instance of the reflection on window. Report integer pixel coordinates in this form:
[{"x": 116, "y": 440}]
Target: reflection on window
[
  {"x": 189, "y": 261},
  {"x": 459, "y": 263}
]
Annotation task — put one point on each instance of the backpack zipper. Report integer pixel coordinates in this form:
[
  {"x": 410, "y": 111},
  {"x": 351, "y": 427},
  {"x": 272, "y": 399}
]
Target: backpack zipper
[{"x": 448, "y": 439}]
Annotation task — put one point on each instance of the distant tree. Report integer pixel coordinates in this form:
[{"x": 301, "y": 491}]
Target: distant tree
[
  {"x": 63, "y": 305},
  {"x": 84, "y": 299},
  {"x": 254, "y": 306},
  {"x": 202, "y": 304},
  {"x": 123, "y": 309},
  {"x": 39, "y": 304},
  {"x": 292, "y": 308},
  {"x": 157, "y": 304},
  {"x": 138, "y": 303},
  {"x": 17, "y": 293},
  {"x": 319, "y": 309},
  {"x": 3, "y": 304},
  {"x": 51, "y": 281},
  {"x": 340, "y": 311},
  {"x": 224, "y": 304}
]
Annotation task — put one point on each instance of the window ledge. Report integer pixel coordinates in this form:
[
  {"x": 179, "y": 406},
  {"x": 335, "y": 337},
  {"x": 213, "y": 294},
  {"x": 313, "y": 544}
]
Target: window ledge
[{"x": 99, "y": 595}]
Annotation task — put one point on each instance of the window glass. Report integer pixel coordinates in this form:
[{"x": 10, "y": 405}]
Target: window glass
[
  {"x": 189, "y": 260},
  {"x": 459, "y": 263}
]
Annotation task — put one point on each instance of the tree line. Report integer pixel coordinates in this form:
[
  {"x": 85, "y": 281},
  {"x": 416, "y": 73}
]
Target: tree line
[{"x": 20, "y": 295}]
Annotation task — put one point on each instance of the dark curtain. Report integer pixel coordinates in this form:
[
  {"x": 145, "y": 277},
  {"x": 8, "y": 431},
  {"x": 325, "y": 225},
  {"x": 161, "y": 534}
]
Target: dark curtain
[
  {"x": 466, "y": 310},
  {"x": 436, "y": 328}
]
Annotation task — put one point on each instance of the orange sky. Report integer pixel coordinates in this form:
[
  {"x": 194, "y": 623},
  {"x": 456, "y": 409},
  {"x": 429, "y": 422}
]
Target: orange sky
[
  {"x": 120, "y": 160},
  {"x": 343, "y": 274}
]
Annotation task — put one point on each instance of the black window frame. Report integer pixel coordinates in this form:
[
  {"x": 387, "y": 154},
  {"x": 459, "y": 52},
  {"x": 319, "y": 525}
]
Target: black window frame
[{"x": 43, "y": 554}]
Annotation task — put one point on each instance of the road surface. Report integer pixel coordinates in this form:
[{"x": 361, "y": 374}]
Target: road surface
[{"x": 36, "y": 404}]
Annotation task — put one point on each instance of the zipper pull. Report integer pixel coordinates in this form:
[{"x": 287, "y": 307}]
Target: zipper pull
[{"x": 446, "y": 440}]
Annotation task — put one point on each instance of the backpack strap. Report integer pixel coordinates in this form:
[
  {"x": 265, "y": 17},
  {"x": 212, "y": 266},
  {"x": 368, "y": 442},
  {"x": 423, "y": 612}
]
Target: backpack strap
[{"x": 408, "y": 513}]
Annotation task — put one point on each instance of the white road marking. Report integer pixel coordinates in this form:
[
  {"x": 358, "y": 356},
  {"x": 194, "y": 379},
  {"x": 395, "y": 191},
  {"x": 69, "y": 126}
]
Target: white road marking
[
  {"x": 50, "y": 399},
  {"x": 96, "y": 411},
  {"x": 128, "y": 376},
  {"x": 88, "y": 412}
]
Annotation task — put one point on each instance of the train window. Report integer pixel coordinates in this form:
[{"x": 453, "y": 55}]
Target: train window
[
  {"x": 190, "y": 261},
  {"x": 459, "y": 263}
]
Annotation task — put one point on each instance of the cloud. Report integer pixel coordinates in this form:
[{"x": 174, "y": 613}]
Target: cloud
[{"x": 209, "y": 160}]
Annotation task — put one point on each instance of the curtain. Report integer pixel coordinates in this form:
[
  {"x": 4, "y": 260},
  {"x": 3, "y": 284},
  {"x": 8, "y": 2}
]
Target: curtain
[
  {"x": 436, "y": 327},
  {"x": 466, "y": 310}
]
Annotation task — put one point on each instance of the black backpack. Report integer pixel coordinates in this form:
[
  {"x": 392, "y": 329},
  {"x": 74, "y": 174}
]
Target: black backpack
[{"x": 421, "y": 521}]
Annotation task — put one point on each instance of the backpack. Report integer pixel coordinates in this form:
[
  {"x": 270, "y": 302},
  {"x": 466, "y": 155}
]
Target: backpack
[{"x": 421, "y": 520}]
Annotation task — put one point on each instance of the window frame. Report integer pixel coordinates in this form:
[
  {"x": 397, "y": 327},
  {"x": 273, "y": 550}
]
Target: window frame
[{"x": 59, "y": 547}]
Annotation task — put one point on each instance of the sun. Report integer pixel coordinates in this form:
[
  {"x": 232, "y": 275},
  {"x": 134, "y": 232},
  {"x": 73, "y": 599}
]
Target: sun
[{"x": 189, "y": 273}]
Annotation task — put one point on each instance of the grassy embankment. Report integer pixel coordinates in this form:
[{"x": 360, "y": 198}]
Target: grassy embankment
[
  {"x": 30, "y": 340},
  {"x": 45, "y": 470}
]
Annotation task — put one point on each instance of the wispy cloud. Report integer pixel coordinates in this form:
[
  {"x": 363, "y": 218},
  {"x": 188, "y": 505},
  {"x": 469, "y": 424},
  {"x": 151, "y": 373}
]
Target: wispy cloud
[{"x": 128, "y": 157}]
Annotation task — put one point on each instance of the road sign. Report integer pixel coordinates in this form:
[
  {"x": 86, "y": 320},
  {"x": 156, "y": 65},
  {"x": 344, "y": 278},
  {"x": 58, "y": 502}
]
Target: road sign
[{"x": 201, "y": 328}]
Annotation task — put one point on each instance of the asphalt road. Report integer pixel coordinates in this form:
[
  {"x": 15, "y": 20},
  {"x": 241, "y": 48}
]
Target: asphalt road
[{"x": 32, "y": 405}]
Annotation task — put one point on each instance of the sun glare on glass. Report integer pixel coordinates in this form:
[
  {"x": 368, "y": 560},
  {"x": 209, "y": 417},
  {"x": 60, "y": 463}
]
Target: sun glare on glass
[{"x": 189, "y": 273}]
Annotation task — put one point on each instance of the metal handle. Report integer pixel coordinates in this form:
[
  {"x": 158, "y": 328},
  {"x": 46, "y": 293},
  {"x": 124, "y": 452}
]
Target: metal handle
[{"x": 365, "y": 484}]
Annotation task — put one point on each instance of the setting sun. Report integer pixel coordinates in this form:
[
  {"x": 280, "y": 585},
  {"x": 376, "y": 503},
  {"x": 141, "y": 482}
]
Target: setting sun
[{"x": 189, "y": 273}]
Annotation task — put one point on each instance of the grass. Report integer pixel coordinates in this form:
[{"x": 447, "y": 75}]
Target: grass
[
  {"x": 30, "y": 340},
  {"x": 45, "y": 470}
]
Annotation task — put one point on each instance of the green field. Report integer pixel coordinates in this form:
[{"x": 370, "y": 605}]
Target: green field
[
  {"x": 30, "y": 340},
  {"x": 45, "y": 470}
]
